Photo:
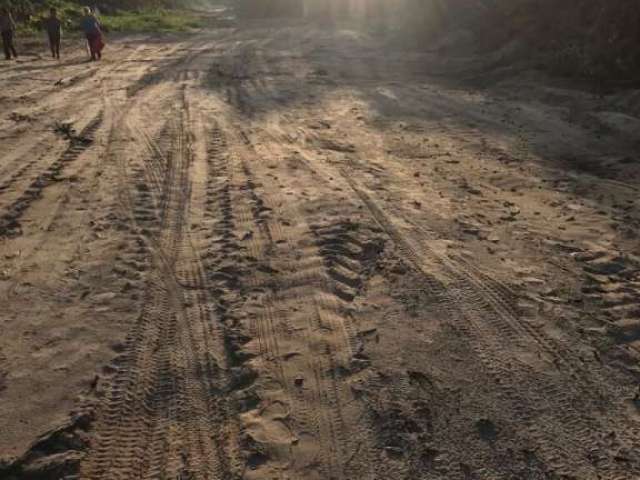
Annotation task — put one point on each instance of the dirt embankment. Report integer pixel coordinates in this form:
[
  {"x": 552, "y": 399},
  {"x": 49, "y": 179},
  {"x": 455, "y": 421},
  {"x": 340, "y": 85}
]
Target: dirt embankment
[{"x": 575, "y": 38}]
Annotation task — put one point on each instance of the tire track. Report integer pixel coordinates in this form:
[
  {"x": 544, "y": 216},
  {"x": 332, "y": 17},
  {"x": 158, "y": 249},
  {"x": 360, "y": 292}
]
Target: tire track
[
  {"x": 166, "y": 410},
  {"x": 13, "y": 212},
  {"x": 58, "y": 105},
  {"x": 473, "y": 303},
  {"x": 295, "y": 334}
]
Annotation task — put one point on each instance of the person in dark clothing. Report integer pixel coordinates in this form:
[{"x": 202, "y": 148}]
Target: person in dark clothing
[
  {"x": 53, "y": 25},
  {"x": 91, "y": 28},
  {"x": 8, "y": 30}
]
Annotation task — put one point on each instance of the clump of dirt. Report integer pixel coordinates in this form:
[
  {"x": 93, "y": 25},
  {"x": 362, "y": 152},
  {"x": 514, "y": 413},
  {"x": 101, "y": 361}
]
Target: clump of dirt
[
  {"x": 56, "y": 454},
  {"x": 405, "y": 429},
  {"x": 65, "y": 130}
]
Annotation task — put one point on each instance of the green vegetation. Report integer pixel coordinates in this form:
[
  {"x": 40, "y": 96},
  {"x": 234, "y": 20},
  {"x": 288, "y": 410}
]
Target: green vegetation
[
  {"x": 135, "y": 16},
  {"x": 157, "y": 20}
]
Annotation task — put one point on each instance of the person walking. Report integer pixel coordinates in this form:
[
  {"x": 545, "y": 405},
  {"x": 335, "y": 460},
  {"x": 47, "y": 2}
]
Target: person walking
[
  {"x": 53, "y": 25},
  {"x": 91, "y": 28},
  {"x": 8, "y": 30}
]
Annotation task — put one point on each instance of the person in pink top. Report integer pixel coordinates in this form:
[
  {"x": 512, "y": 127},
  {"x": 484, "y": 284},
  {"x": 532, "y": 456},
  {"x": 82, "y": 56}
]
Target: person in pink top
[{"x": 93, "y": 31}]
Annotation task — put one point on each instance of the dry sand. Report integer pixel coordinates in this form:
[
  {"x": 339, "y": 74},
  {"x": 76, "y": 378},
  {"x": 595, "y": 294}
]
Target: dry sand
[{"x": 279, "y": 252}]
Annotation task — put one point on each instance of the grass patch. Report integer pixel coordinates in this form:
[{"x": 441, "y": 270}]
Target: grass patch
[
  {"x": 144, "y": 20},
  {"x": 158, "y": 20}
]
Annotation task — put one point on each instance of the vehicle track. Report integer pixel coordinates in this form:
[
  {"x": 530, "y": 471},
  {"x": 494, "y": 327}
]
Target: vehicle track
[
  {"x": 473, "y": 302},
  {"x": 27, "y": 160},
  {"x": 300, "y": 342},
  {"x": 513, "y": 351},
  {"x": 166, "y": 408},
  {"x": 13, "y": 212}
]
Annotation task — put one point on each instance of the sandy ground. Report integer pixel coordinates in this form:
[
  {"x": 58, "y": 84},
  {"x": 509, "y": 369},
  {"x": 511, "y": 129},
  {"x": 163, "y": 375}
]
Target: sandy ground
[{"x": 280, "y": 252}]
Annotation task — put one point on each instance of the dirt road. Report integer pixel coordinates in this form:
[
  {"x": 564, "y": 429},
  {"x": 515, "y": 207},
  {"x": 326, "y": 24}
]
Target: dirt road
[{"x": 280, "y": 252}]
